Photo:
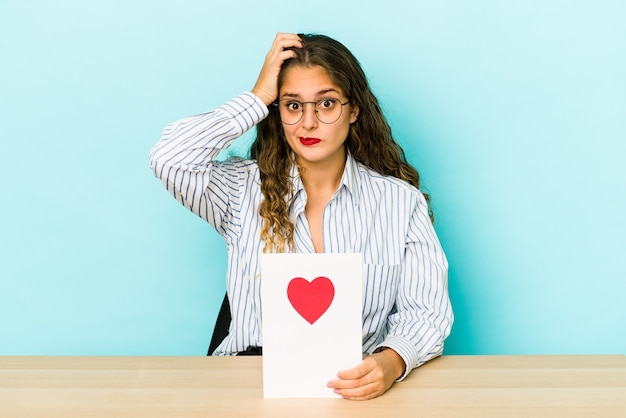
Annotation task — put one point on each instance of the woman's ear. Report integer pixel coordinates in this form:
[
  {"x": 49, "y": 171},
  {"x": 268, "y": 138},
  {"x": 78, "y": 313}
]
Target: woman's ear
[{"x": 354, "y": 113}]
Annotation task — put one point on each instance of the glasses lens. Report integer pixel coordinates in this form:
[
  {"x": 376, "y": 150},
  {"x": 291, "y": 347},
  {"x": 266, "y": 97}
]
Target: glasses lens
[
  {"x": 327, "y": 110},
  {"x": 290, "y": 111}
]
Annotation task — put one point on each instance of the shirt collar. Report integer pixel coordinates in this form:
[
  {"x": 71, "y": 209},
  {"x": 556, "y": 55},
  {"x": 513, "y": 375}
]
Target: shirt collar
[{"x": 351, "y": 179}]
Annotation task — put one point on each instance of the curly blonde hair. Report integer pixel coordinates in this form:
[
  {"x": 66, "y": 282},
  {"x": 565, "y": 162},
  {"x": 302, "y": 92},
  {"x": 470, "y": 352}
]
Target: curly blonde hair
[{"x": 369, "y": 140}]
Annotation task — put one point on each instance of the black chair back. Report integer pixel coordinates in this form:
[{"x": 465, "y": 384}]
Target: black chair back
[{"x": 221, "y": 326}]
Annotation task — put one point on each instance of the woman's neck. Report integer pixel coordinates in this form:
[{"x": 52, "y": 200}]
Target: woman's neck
[{"x": 324, "y": 176}]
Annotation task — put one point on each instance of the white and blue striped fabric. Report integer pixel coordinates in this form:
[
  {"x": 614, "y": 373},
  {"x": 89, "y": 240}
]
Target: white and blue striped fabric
[{"x": 406, "y": 304}]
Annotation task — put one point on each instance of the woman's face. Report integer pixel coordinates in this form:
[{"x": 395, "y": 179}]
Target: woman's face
[{"x": 313, "y": 141}]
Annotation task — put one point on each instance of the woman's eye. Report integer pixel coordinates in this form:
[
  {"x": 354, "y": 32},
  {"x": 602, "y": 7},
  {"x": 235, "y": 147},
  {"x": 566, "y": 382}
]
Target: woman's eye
[
  {"x": 293, "y": 106},
  {"x": 327, "y": 103}
]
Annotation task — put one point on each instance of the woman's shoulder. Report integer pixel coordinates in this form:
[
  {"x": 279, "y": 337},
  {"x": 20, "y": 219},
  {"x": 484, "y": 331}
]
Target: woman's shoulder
[
  {"x": 369, "y": 176},
  {"x": 390, "y": 193}
]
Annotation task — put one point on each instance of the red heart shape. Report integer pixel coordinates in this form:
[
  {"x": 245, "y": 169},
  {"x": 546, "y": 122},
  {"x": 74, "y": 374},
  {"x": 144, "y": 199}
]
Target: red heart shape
[{"x": 311, "y": 299}]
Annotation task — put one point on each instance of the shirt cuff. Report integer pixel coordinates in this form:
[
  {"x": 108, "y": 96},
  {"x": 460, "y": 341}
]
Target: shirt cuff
[
  {"x": 405, "y": 350},
  {"x": 246, "y": 109}
]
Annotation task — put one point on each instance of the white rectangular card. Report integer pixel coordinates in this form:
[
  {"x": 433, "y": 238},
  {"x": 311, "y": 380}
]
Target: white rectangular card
[{"x": 311, "y": 308}]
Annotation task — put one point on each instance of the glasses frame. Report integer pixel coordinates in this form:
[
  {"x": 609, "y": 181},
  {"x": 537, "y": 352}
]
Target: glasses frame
[{"x": 314, "y": 103}]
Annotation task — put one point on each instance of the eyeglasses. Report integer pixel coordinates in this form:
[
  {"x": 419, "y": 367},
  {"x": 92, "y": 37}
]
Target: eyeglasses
[{"x": 326, "y": 110}]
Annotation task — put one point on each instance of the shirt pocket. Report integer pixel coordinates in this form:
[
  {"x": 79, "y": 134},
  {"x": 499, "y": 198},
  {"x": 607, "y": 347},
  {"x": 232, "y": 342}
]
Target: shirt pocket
[{"x": 380, "y": 288}]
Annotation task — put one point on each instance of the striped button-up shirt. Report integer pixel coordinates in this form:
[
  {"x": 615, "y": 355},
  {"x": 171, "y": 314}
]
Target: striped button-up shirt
[{"x": 406, "y": 305}]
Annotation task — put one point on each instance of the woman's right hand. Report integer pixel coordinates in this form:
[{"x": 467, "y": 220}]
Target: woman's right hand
[{"x": 266, "y": 87}]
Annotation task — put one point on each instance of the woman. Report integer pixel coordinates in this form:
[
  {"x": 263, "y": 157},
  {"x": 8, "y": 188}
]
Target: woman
[{"x": 324, "y": 175}]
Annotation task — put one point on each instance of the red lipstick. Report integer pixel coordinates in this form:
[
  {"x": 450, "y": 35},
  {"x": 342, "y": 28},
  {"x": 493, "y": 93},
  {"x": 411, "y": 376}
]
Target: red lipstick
[{"x": 309, "y": 141}]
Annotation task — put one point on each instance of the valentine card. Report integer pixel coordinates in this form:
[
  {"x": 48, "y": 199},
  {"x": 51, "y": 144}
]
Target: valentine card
[{"x": 311, "y": 309}]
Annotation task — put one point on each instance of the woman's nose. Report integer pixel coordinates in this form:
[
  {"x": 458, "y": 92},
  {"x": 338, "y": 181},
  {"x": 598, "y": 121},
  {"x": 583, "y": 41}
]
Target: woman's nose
[{"x": 309, "y": 118}]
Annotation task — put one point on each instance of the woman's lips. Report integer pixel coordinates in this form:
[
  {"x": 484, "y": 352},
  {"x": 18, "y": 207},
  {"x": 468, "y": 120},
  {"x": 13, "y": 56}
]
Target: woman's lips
[{"x": 309, "y": 141}]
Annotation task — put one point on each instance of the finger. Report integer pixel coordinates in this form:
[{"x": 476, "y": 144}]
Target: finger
[
  {"x": 360, "y": 381},
  {"x": 286, "y": 54},
  {"x": 279, "y": 54},
  {"x": 362, "y": 369},
  {"x": 290, "y": 41},
  {"x": 286, "y": 35},
  {"x": 354, "y": 383},
  {"x": 365, "y": 392},
  {"x": 282, "y": 53}
]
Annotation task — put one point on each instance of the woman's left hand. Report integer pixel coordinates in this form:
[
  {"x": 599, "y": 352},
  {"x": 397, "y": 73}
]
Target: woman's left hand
[{"x": 371, "y": 378}]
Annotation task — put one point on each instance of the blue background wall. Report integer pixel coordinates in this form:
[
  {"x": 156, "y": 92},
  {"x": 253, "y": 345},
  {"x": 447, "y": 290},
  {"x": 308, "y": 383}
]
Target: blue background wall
[{"x": 514, "y": 112}]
